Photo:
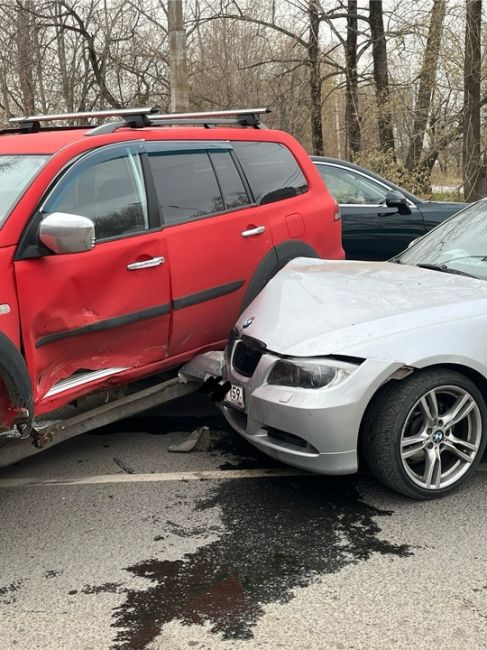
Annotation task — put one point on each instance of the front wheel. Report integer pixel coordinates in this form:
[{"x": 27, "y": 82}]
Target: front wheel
[{"x": 424, "y": 436}]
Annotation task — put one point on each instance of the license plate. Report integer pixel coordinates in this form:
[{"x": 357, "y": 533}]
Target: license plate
[{"x": 235, "y": 396}]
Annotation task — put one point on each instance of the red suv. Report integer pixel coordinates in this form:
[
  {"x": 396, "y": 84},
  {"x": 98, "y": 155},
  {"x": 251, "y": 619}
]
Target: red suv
[{"x": 130, "y": 247}]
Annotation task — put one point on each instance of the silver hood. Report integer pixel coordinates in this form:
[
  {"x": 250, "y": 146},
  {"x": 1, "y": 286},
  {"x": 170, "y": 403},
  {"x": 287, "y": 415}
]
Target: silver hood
[{"x": 317, "y": 308}]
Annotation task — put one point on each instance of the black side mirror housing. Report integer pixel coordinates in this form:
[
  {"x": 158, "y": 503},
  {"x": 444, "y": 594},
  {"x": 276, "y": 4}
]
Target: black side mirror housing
[{"x": 396, "y": 199}]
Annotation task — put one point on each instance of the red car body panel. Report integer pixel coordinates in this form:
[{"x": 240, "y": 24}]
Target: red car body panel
[{"x": 55, "y": 300}]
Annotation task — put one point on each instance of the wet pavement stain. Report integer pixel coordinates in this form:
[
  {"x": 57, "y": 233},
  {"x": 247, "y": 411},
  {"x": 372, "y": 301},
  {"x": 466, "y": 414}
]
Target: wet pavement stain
[
  {"x": 279, "y": 535},
  {"x": 7, "y": 593}
]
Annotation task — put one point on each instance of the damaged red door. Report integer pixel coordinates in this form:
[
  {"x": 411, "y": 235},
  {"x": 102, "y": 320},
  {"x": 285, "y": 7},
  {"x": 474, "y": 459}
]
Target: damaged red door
[{"x": 89, "y": 316}]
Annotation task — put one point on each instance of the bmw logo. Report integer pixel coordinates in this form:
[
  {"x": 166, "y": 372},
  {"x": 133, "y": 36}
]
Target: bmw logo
[
  {"x": 248, "y": 322},
  {"x": 438, "y": 436}
]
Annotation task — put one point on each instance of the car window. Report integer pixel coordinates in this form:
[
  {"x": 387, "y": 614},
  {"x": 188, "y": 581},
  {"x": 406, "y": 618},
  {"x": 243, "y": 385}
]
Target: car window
[
  {"x": 185, "y": 182},
  {"x": 349, "y": 187},
  {"x": 459, "y": 243},
  {"x": 16, "y": 172},
  {"x": 231, "y": 184},
  {"x": 271, "y": 169},
  {"x": 109, "y": 189}
]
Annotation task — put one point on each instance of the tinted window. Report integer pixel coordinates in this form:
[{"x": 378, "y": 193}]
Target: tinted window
[
  {"x": 271, "y": 169},
  {"x": 185, "y": 183},
  {"x": 109, "y": 189},
  {"x": 231, "y": 184},
  {"x": 352, "y": 188}
]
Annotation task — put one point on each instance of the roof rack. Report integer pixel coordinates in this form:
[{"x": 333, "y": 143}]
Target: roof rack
[
  {"x": 136, "y": 117},
  {"x": 140, "y": 117}
]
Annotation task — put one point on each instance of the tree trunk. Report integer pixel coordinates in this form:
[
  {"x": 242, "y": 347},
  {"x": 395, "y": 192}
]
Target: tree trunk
[
  {"x": 24, "y": 57},
  {"x": 315, "y": 77},
  {"x": 177, "y": 57},
  {"x": 66, "y": 81},
  {"x": 472, "y": 168},
  {"x": 351, "y": 109},
  {"x": 426, "y": 83},
  {"x": 381, "y": 76}
]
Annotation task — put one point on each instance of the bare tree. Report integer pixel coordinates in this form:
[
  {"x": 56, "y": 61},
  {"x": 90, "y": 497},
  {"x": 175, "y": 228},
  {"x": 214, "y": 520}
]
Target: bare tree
[
  {"x": 352, "y": 107},
  {"x": 427, "y": 78},
  {"x": 472, "y": 176},
  {"x": 314, "y": 59},
  {"x": 381, "y": 76},
  {"x": 25, "y": 60}
]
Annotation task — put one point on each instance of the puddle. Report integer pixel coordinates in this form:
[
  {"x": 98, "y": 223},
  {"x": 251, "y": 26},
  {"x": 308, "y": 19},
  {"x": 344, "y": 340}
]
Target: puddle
[{"x": 279, "y": 534}]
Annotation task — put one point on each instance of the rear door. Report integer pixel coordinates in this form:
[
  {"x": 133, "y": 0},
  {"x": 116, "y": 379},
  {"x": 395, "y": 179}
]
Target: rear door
[
  {"x": 370, "y": 230},
  {"x": 88, "y": 316},
  {"x": 214, "y": 234}
]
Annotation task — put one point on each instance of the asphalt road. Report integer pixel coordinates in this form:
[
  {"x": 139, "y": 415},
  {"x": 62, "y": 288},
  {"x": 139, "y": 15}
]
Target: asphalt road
[{"x": 109, "y": 541}]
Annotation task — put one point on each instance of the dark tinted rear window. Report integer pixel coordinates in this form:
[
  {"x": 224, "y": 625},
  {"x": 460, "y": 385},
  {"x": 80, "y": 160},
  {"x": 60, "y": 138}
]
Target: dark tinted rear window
[
  {"x": 186, "y": 185},
  {"x": 231, "y": 184},
  {"x": 271, "y": 169}
]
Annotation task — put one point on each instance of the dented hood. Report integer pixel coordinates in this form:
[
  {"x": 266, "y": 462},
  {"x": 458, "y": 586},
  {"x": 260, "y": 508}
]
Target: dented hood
[{"x": 317, "y": 307}]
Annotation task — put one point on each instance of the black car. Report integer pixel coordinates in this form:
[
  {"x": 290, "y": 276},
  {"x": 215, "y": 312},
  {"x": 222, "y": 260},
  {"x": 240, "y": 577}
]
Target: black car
[{"x": 379, "y": 218}]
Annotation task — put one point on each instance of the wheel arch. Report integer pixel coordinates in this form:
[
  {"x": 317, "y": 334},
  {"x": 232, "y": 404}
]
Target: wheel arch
[
  {"x": 273, "y": 262},
  {"x": 474, "y": 375},
  {"x": 14, "y": 380}
]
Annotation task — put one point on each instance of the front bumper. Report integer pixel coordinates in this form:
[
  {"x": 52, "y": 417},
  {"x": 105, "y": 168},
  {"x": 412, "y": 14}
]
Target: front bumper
[{"x": 312, "y": 429}]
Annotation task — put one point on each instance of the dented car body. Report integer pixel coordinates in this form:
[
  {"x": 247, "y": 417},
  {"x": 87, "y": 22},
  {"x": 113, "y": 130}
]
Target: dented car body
[
  {"x": 184, "y": 233},
  {"x": 381, "y": 361}
]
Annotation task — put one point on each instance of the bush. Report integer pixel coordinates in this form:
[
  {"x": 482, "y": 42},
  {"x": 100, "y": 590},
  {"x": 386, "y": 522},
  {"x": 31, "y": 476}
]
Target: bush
[{"x": 417, "y": 181}]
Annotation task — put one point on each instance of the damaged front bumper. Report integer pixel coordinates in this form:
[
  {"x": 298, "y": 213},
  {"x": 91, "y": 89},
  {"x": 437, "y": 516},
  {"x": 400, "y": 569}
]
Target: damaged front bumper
[{"x": 312, "y": 429}]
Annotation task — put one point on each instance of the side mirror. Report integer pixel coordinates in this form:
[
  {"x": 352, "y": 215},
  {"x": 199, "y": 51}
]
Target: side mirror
[
  {"x": 67, "y": 233},
  {"x": 396, "y": 199}
]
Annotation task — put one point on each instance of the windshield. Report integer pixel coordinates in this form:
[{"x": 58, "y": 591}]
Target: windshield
[
  {"x": 16, "y": 172},
  {"x": 459, "y": 244}
]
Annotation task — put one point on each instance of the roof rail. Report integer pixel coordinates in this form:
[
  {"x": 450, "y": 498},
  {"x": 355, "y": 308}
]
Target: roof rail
[
  {"x": 56, "y": 117},
  {"x": 209, "y": 115},
  {"x": 140, "y": 117},
  {"x": 240, "y": 117}
]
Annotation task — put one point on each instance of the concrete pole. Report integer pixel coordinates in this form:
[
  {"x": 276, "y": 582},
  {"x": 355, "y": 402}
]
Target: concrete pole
[{"x": 177, "y": 57}]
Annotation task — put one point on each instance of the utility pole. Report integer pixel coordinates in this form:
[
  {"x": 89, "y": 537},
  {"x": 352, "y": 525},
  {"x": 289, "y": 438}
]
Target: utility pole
[{"x": 177, "y": 57}]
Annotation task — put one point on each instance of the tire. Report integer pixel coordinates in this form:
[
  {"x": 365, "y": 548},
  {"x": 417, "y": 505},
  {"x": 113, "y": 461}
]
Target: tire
[
  {"x": 14, "y": 375},
  {"x": 425, "y": 435}
]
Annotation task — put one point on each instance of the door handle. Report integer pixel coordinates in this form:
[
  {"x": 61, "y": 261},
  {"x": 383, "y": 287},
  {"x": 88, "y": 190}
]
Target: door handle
[
  {"x": 252, "y": 232},
  {"x": 146, "y": 264}
]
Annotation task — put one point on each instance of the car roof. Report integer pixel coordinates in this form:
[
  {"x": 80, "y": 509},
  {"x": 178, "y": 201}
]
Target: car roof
[
  {"x": 42, "y": 142},
  {"x": 381, "y": 179},
  {"x": 50, "y": 141}
]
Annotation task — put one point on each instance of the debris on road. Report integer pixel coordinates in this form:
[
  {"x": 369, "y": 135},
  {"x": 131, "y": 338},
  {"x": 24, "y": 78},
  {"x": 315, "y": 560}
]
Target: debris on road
[{"x": 200, "y": 435}]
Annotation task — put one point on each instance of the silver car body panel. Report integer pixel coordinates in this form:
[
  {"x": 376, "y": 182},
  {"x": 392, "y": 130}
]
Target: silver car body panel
[
  {"x": 371, "y": 310},
  {"x": 388, "y": 318},
  {"x": 325, "y": 421}
]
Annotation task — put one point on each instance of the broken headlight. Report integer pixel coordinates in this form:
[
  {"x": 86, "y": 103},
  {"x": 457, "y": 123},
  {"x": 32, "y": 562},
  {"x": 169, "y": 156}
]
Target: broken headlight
[{"x": 301, "y": 373}]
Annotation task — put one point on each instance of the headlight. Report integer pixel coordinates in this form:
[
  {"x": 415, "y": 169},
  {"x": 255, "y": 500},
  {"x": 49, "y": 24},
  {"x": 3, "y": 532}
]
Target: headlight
[{"x": 308, "y": 374}]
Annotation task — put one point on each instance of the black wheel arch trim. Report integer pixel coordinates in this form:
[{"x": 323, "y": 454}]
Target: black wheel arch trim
[
  {"x": 273, "y": 262},
  {"x": 14, "y": 373}
]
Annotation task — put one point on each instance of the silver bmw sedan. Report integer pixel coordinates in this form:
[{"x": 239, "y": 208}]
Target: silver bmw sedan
[{"x": 384, "y": 363}]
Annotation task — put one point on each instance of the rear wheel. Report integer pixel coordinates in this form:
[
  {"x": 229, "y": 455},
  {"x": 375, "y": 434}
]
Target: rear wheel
[{"x": 425, "y": 435}]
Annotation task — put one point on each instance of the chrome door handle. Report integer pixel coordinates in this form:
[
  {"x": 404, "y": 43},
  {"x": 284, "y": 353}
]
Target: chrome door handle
[
  {"x": 253, "y": 231},
  {"x": 146, "y": 264}
]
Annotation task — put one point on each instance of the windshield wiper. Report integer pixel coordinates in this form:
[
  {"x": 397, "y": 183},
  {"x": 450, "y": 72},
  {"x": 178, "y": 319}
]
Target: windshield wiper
[{"x": 445, "y": 269}]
